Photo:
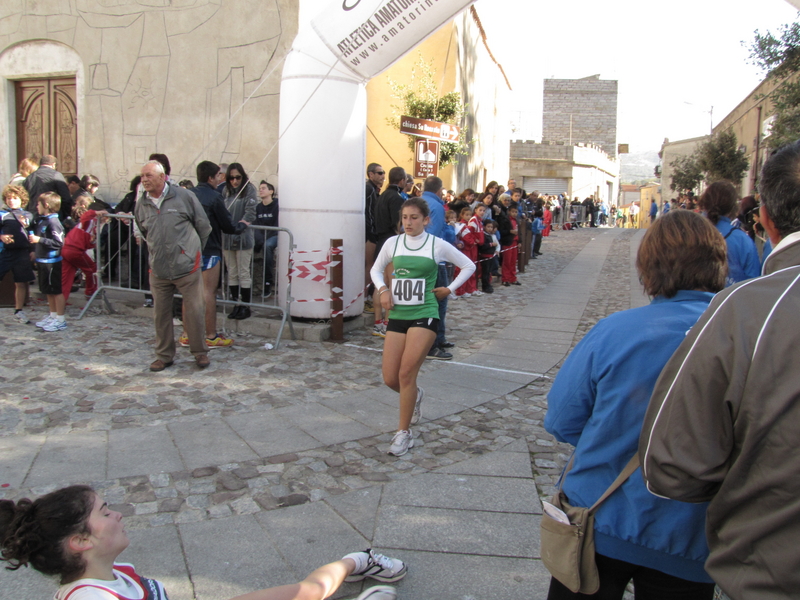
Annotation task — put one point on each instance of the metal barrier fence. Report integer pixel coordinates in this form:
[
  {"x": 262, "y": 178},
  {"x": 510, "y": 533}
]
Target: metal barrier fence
[{"x": 123, "y": 265}]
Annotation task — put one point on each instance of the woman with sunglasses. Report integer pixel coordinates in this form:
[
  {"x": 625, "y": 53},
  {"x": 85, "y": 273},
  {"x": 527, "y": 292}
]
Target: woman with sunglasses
[{"x": 241, "y": 199}]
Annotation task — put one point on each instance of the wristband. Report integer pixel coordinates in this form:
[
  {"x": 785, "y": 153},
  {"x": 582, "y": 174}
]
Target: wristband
[{"x": 383, "y": 290}]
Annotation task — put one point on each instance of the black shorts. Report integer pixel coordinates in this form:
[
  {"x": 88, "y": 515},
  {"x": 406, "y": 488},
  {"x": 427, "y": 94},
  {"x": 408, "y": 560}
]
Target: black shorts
[
  {"x": 19, "y": 263},
  {"x": 403, "y": 325},
  {"x": 49, "y": 278}
]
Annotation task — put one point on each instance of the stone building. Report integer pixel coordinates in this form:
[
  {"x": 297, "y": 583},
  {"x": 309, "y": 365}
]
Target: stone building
[
  {"x": 581, "y": 170},
  {"x": 581, "y": 111},
  {"x": 102, "y": 85},
  {"x": 669, "y": 152}
]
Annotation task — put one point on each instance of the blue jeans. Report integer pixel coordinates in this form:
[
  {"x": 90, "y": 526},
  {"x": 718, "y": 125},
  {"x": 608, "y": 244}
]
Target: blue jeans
[
  {"x": 442, "y": 280},
  {"x": 269, "y": 258}
]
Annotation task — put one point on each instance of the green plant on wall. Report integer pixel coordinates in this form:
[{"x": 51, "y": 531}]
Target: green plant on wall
[{"x": 419, "y": 98}]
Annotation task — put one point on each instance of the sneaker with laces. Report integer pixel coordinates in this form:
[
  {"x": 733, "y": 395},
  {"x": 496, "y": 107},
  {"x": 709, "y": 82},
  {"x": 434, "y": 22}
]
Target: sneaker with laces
[
  {"x": 379, "y": 330},
  {"x": 417, "y": 406},
  {"x": 220, "y": 341},
  {"x": 55, "y": 325},
  {"x": 378, "y": 592},
  {"x": 375, "y": 566},
  {"x": 44, "y": 322},
  {"x": 21, "y": 317},
  {"x": 437, "y": 353},
  {"x": 466, "y": 295},
  {"x": 184, "y": 340},
  {"x": 402, "y": 442},
  {"x": 477, "y": 293}
]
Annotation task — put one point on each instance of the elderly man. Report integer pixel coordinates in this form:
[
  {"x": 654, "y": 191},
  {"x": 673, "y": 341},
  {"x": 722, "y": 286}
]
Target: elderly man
[
  {"x": 175, "y": 227},
  {"x": 722, "y": 421}
]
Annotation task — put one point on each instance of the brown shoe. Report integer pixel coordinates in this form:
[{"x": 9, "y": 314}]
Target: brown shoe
[
  {"x": 202, "y": 360},
  {"x": 159, "y": 365}
]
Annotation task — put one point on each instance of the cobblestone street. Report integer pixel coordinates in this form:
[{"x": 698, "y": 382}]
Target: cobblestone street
[{"x": 83, "y": 401}]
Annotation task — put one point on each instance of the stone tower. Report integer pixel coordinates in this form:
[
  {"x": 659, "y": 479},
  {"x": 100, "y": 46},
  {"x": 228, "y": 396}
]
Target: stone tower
[{"x": 581, "y": 111}]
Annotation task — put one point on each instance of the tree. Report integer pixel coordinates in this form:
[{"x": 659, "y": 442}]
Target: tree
[
  {"x": 720, "y": 158},
  {"x": 779, "y": 57},
  {"x": 419, "y": 98},
  {"x": 686, "y": 174}
]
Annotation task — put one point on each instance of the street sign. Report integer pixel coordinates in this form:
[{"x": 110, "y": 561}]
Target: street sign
[
  {"x": 426, "y": 158},
  {"x": 432, "y": 130}
]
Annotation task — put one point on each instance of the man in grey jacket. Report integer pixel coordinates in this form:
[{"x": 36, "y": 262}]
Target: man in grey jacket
[
  {"x": 722, "y": 424},
  {"x": 175, "y": 226}
]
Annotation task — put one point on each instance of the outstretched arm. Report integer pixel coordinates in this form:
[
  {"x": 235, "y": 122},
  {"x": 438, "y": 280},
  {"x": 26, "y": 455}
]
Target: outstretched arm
[{"x": 318, "y": 585}]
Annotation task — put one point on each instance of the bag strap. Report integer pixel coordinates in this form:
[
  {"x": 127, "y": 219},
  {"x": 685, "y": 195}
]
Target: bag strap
[{"x": 632, "y": 465}]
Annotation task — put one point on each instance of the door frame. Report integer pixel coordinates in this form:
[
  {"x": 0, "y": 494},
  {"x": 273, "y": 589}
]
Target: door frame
[{"x": 37, "y": 59}]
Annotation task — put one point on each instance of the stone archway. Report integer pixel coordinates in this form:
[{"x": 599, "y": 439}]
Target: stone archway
[{"x": 55, "y": 65}]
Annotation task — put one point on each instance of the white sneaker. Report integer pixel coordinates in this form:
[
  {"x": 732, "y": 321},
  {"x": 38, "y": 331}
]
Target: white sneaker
[
  {"x": 378, "y": 592},
  {"x": 466, "y": 295},
  {"x": 401, "y": 442},
  {"x": 21, "y": 317},
  {"x": 55, "y": 325},
  {"x": 45, "y": 322},
  {"x": 420, "y": 395},
  {"x": 375, "y": 566},
  {"x": 452, "y": 296},
  {"x": 477, "y": 293},
  {"x": 379, "y": 329}
]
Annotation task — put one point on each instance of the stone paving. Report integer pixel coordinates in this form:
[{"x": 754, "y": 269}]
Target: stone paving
[{"x": 92, "y": 380}]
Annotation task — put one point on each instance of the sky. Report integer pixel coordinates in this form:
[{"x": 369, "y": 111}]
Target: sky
[{"x": 674, "y": 60}]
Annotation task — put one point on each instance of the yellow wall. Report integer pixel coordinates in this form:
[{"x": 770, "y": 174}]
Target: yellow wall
[
  {"x": 385, "y": 144},
  {"x": 461, "y": 63},
  {"x": 647, "y": 195}
]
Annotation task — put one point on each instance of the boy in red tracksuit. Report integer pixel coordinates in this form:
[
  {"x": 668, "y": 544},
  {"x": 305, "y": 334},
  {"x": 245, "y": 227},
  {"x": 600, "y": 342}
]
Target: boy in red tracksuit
[
  {"x": 470, "y": 240},
  {"x": 508, "y": 242},
  {"x": 80, "y": 239}
]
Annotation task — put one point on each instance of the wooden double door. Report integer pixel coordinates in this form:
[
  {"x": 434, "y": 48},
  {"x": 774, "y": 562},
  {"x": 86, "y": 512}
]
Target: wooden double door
[{"x": 47, "y": 121}]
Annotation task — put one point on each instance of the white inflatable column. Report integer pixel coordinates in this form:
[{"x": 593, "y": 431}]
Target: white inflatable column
[{"x": 322, "y": 169}]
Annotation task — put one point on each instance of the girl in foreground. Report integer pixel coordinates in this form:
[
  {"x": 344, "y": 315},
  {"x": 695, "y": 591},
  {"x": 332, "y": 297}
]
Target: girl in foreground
[
  {"x": 73, "y": 534},
  {"x": 413, "y": 307}
]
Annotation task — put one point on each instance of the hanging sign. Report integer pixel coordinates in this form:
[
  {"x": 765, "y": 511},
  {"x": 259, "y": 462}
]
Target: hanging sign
[
  {"x": 433, "y": 130},
  {"x": 368, "y": 36},
  {"x": 426, "y": 158}
]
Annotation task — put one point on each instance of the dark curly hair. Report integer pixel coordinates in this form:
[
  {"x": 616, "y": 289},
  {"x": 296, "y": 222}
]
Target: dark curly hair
[{"x": 34, "y": 532}]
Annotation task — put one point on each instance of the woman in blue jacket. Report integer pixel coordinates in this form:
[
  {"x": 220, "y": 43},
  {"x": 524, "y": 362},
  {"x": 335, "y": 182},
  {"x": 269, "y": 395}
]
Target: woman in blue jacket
[
  {"x": 598, "y": 401},
  {"x": 719, "y": 203}
]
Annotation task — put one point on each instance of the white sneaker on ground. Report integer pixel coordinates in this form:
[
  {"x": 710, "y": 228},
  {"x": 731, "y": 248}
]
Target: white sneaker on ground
[
  {"x": 417, "y": 406},
  {"x": 401, "y": 442},
  {"x": 378, "y": 592},
  {"x": 466, "y": 295},
  {"x": 21, "y": 317},
  {"x": 55, "y": 325},
  {"x": 477, "y": 293},
  {"x": 44, "y": 322},
  {"x": 375, "y": 566}
]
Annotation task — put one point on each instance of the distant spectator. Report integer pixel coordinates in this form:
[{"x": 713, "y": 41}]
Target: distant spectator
[
  {"x": 719, "y": 201},
  {"x": 25, "y": 168},
  {"x": 241, "y": 198},
  {"x": 47, "y": 179}
]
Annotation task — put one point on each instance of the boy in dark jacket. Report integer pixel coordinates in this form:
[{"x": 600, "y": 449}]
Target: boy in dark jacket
[
  {"x": 49, "y": 239},
  {"x": 220, "y": 219},
  {"x": 15, "y": 255}
]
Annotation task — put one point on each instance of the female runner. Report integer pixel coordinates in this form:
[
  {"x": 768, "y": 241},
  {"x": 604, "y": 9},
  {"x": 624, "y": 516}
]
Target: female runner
[
  {"x": 413, "y": 308},
  {"x": 72, "y": 534}
]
